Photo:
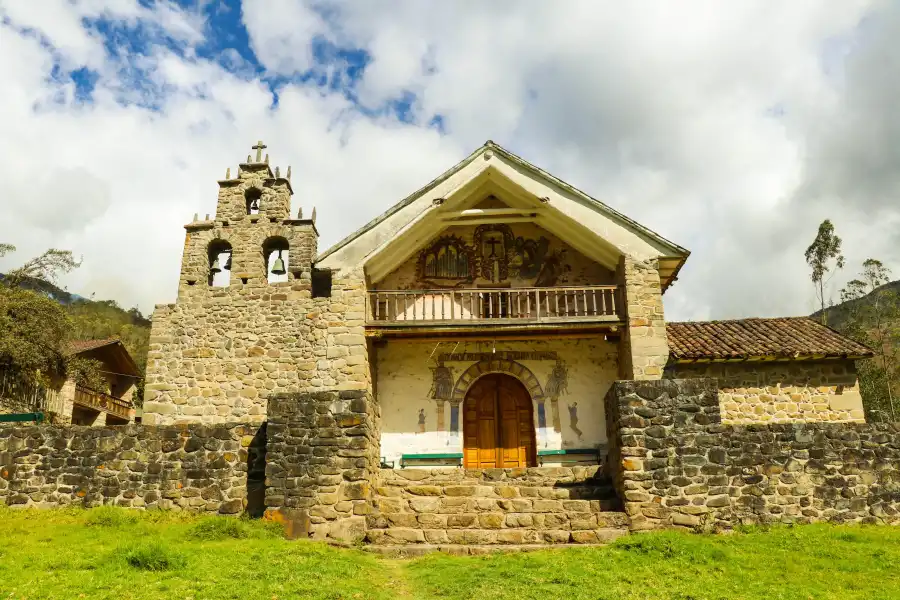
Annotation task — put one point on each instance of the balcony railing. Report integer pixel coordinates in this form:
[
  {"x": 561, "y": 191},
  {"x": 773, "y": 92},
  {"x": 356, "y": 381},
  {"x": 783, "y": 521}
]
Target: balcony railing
[
  {"x": 103, "y": 402},
  {"x": 512, "y": 305}
]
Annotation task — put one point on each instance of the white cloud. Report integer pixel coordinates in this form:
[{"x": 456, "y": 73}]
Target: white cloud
[{"x": 730, "y": 130}]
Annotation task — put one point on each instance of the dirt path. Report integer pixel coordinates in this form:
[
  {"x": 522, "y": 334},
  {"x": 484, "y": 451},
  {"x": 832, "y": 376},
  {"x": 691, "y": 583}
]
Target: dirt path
[{"x": 397, "y": 577}]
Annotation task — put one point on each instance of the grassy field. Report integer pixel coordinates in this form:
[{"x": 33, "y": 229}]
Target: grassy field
[{"x": 111, "y": 553}]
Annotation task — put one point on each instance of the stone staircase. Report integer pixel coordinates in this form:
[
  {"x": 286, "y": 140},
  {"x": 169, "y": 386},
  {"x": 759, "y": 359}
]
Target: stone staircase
[{"x": 537, "y": 505}]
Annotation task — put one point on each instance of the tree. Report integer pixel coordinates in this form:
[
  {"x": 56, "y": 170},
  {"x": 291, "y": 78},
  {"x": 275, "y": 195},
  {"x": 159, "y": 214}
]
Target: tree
[
  {"x": 874, "y": 311},
  {"x": 35, "y": 330},
  {"x": 45, "y": 267},
  {"x": 824, "y": 257}
]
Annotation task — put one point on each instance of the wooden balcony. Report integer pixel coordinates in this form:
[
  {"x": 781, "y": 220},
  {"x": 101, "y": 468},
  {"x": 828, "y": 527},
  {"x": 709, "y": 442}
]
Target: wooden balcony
[
  {"x": 494, "y": 306},
  {"x": 103, "y": 402}
]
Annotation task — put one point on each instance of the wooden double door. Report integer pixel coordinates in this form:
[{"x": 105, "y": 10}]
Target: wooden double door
[{"x": 498, "y": 425}]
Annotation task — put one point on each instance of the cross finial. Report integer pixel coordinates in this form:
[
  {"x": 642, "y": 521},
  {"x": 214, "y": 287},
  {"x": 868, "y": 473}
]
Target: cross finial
[{"x": 259, "y": 147}]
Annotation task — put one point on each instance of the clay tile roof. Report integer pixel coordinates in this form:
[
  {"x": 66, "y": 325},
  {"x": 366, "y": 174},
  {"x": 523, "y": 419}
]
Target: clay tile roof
[
  {"x": 795, "y": 337},
  {"x": 79, "y": 346}
]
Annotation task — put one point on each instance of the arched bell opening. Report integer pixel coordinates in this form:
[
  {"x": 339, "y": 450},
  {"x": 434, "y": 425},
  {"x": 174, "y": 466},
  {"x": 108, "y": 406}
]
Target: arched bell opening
[
  {"x": 219, "y": 263},
  {"x": 252, "y": 197},
  {"x": 276, "y": 254}
]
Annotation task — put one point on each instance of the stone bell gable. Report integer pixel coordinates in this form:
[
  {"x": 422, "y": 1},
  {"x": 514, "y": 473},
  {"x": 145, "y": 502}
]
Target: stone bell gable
[{"x": 249, "y": 321}]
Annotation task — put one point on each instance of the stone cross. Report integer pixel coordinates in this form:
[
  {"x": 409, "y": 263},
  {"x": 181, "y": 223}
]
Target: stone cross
[{"x": 259, "y": 147}]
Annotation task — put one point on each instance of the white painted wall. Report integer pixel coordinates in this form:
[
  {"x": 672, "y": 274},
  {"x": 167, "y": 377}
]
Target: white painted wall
[{"x": 404, "y": 379}]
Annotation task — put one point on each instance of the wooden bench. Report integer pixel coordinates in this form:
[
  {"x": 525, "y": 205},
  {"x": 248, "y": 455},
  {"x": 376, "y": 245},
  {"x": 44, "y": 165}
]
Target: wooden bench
[
  {"x": 594, "y": 453},
  {"x": 455, "y": 457}
]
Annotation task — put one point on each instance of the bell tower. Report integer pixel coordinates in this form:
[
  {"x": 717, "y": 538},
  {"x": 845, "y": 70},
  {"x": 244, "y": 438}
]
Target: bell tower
[{"x": 251, "y": 240}]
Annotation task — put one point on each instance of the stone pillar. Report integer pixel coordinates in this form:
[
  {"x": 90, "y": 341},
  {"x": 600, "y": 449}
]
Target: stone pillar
[
  {"x": 658, "y": 432},
  {"x": 643, "y": 349},
  {"x": 322, "y": 458}
]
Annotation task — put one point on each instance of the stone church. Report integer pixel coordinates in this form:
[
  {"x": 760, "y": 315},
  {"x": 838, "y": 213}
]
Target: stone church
[{"x": 485, "y": 316}]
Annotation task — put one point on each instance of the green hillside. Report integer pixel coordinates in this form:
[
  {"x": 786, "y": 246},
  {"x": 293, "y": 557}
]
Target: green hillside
[
  {"x": 101, "y": 319},
  {"x": 874, "y": 319}
]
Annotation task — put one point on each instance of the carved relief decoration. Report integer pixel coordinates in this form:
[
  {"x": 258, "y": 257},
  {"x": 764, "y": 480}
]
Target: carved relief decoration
[
  {"x": 449, "y": 260},
  {"x": 494, "y": 244}
]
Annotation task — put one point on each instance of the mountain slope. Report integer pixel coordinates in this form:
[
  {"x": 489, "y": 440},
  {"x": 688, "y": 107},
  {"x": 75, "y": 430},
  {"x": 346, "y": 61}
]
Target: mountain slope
[{"x": 879, "y": 378}]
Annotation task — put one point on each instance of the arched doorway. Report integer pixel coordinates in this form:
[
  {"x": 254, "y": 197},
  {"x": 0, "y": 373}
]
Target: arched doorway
[{"x": 498, "y": 424}]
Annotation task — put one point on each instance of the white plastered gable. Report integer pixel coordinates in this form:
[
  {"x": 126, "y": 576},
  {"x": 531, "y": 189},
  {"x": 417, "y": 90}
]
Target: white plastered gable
[{"x": 526, "y": 192}]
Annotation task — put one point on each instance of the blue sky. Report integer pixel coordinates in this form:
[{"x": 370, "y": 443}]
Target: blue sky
[{"x": 732, "y": 130}]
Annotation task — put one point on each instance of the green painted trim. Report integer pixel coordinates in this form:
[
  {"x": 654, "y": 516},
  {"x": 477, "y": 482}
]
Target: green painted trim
[
  {"x": 568, "y": 451},
  {"x": 427, "y": 456},
  {"x": 22, "y": 417}
]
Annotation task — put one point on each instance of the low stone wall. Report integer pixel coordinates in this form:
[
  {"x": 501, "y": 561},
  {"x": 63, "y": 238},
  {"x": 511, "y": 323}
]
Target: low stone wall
[
  {"x": 782, "y": 392},
  {"x": 321, "y": 461},
  {"x": 201, "y": 468},
  {"x": 675, "y": 463}
]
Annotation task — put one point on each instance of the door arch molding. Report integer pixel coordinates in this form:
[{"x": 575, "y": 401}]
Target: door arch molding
[{"x": 500, "y": 365}]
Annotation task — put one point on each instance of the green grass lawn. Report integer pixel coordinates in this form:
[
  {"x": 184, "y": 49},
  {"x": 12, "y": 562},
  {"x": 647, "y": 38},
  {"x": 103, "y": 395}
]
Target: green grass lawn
[{"x": 112, "y": 553}]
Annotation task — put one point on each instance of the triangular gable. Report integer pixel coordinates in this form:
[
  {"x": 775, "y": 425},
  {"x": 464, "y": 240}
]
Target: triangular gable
[{"x": 529, "y": 193}]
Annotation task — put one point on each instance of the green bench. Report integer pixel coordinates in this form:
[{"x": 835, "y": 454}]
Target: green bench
[
  {"x": 454, "y": 457},
  {"x": 594, "y": 453},
  {"x": 22, "y": 417}
]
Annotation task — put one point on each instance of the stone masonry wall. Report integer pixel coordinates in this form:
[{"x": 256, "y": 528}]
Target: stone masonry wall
[
  {"x": 200, "y": 468},
  {"x": 216, "y": 357},
  {"x": 644, "y": 349},
  {"x": 675, "y": 463},
  {"x": 322, "y": 458},
  {"x": 782, "y": 392}
]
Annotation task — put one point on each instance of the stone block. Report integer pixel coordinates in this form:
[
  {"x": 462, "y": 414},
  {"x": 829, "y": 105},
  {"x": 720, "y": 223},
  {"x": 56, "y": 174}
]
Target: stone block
[{"x": 348, "y": 530}]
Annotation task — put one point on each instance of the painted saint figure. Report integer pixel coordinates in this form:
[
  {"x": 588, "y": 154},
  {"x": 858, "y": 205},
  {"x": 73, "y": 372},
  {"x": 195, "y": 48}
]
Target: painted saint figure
[
  {"x": 557, "y": 384},
  {"x": 573, "y": 419},
  {"x": 421, "y": 420}
]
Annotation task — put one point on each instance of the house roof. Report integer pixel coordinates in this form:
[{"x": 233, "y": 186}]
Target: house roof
[
  {"x": 793, "y": 338},
  {"x": 562, "y": 205},
  {"x": 119, "y": 357},
  {"x": 79, "y": 346}
]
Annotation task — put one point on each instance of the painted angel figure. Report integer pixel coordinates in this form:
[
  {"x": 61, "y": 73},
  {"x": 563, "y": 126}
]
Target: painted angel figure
[
  {"x": 558, "y": 381},
  {"x": 442, "y": 382}
]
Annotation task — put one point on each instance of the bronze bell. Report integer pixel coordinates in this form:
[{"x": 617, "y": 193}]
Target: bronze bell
[
  {"x": 278, "y": 267},
  {"x": 228, "y": 263},
  {"x": 215, "y": 268}
]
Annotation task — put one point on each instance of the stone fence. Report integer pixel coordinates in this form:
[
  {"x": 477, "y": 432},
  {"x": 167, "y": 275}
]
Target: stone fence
[
  {"x": 321, "y": 462},
  {"x": 197, "y": 467},
  {"x": 675, "y": 463}
]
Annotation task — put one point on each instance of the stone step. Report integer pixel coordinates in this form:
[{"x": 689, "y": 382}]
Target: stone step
[
  {"x": 449, "y": 505},
  {"x": 416, "y": 550},
  {"x": 530, "y": 476},
  {"x": 566, "y": 520},
  {"x": 599, "y": 490},
  {"x": 480, "y": 537}
]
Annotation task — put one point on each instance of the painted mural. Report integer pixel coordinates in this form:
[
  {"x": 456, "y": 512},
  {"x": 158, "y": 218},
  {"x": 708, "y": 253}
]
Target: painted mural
[
  {"x": 447, "y": 262},
  {"x": 568, "y": 376},
  {"x": 496, "y": 255}
]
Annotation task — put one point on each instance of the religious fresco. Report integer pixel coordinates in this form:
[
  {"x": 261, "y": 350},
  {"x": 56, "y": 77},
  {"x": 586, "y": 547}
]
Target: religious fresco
[
  {"x": 553, "y": 268},
  {"x": 557, "y": 385},
  {"x": 573, "y": 419},
  {"x": 447, "y": 262},
  {"x": 493, "y": 243},
  {"x": 422, "y": 385},
  {"x": 441, "y": 391},
  {"x": 496, "y": 255}
]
